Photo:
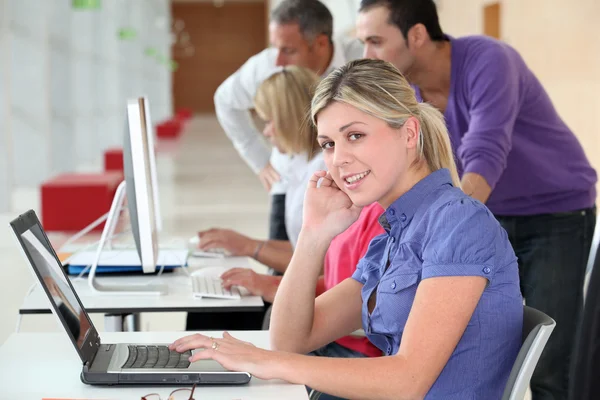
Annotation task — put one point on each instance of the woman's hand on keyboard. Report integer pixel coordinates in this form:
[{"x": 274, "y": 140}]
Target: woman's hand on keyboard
[
  {"x": 231, "y": 353},
  {"x": 231, "y": 241},
  {"x": 257, "y": 284}
]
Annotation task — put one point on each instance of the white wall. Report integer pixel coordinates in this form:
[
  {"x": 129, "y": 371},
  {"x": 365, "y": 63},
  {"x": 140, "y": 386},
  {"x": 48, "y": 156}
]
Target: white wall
[
  {"x": 65, "y": 77},
  {"x": 561, "y": 45},
  {"x": 29, "y": 88},
  {"x": 61, "y": 81},
  {"x": 5, "y": 135}
]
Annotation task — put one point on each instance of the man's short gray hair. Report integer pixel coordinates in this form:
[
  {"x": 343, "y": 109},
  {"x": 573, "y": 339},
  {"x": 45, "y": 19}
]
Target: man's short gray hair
[{"x": 313, "y": 17}]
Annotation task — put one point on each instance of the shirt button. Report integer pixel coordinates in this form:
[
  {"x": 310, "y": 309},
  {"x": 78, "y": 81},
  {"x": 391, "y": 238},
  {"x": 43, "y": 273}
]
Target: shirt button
[
  {"x": 392, "y": 211},
  {"x": 403, "y": 217},
  {"x": 393, "y": 239},
  {"x": 389, "y": 350},
  {"x": 486, "y": 270},
  {"x": 393, "y": 285}
]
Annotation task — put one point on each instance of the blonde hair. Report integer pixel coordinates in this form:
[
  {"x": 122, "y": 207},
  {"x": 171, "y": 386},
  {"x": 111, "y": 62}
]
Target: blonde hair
[
  {"x": 379, "y": 89},
  {"x": 284, "y": 98}
]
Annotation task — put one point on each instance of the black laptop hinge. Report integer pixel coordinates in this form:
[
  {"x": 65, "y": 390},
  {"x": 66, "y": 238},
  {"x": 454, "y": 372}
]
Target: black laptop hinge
[{"x": 93, "y": 357}]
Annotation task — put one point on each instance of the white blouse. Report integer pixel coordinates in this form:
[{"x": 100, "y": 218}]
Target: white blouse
[{"x": 299, "y": 171}]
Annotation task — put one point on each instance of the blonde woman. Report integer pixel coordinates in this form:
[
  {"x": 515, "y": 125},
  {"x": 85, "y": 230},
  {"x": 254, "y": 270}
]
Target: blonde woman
[
  {"x": 438, "y": 292},
  {"x": 283, "y": 102}
]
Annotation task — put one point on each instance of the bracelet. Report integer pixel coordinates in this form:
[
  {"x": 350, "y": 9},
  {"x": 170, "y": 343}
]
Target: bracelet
[{"x": 257, "y": 250}]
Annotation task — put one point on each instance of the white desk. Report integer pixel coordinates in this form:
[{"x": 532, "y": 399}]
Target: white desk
[
  {"x": 45, "y": 365},
  {"x": 178, "y": 299}
]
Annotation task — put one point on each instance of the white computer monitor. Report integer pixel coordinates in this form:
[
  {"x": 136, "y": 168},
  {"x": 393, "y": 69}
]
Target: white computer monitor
[
  {"x": 139, "y": 183},
  {"x": 149, "y": 133}
]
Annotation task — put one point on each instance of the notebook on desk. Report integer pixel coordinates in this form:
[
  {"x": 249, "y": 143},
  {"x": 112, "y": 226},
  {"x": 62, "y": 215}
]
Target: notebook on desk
[
  {"x": 109, "y": 364},
  {"x": 116, "y": 270},
  {"x": 125, "y": 261}
]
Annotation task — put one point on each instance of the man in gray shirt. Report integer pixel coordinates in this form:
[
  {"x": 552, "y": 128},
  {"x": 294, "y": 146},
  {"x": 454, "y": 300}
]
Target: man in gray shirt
[{"x": 301, "y": 33}]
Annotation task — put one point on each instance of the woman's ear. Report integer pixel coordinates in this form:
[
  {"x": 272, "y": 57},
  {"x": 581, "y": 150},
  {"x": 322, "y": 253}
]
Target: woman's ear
[{"x": 412, "y": 128}]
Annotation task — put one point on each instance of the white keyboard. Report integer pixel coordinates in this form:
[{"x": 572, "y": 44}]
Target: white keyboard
[
  {"x": 210, "y": 253},
  {"x": 209, "y": 286}
]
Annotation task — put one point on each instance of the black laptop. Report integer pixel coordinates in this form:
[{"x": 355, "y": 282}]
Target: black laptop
[{"x": 109, "y": 364}]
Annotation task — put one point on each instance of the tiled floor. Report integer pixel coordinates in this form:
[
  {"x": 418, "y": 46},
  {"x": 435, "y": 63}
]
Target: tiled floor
[{"x": 203, "y": 183}]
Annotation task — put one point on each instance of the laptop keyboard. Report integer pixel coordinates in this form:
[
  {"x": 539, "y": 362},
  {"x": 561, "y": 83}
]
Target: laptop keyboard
[{"x": 156, "y": 357}]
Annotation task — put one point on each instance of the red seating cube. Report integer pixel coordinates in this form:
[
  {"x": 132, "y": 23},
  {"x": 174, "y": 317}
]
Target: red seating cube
[
  {"x": 170, "y": 129},
  {"x": 184, "y": 114},
  {"x": 113, "y": 159},
  {"x": 70, "y": 202}
]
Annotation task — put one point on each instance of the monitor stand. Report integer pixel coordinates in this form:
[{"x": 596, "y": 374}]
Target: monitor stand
[{"x": 107, "y": 232}]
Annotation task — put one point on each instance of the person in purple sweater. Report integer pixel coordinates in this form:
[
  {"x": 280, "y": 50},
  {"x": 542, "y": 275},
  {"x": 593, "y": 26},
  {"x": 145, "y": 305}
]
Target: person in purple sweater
[{"x": 514, "y": 153}]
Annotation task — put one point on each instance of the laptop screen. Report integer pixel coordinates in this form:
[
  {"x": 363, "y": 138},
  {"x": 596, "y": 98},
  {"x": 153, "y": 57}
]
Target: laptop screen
[{"x": 52, "y": 276}]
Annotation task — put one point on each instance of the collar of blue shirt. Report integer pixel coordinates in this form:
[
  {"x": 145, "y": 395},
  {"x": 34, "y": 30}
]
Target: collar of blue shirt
[{"x": 403, "y": 209}]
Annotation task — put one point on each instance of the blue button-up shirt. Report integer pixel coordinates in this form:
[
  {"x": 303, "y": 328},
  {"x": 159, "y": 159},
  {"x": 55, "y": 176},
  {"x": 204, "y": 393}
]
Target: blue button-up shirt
[{"x": 436, "y": 230}]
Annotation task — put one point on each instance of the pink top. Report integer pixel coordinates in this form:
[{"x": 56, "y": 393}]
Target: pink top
[{"x": 342, "y": 257}]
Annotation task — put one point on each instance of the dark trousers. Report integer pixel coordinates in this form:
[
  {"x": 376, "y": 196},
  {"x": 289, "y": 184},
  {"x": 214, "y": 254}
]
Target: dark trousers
[
  {"x": 333, "y": 350},
  {"x": 228, "y": 321},
  {"x": 277, "y": 218},
  {"x": 277, "y": 229},
  {"x": 243, "y": 320},
  {"x": 553, "y": 250}
]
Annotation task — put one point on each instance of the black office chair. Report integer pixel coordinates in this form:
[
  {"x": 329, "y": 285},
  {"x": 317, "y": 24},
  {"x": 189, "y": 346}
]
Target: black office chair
[{"x": 585, "y": 366}]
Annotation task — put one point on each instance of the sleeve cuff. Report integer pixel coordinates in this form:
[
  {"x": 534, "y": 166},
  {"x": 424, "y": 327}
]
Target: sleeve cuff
[
  {"x": 256, "y": 155},
  {"x": 432, "y": 271},
  {"x": 357, "y": 275},
  {"x": 490, "y": 172}
]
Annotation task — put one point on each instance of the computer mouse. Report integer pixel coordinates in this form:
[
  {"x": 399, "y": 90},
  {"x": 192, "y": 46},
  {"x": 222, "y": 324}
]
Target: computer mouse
[{"x": 194, "y": 242}]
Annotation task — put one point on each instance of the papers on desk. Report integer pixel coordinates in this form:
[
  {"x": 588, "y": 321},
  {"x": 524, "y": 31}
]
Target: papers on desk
[{"x": 127, "y": 259}]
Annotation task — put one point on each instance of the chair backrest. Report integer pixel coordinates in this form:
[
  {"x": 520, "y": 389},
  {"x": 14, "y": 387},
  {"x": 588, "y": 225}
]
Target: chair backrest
[
  {"x": 592, "y": 258},
  {"x": 537, "y": 328},
  {"x": 585, "y": 367},
  {"x": 267, "y": 319}
]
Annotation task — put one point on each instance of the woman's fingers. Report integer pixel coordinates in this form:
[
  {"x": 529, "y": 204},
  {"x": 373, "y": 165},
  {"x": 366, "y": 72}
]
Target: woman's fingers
[
  {"x": 232, "y": 272},
  {"x": 191, "y": 342},
  {"x": 210, "y": 231},
  {"x": 176, "y": 343},
  {"x": 324, "y": 177},
  {"x": 333, "y": 184},
  {"x": 207, "y": 238},
  {"x": 227, "y": 335},
  {"x": 314, "y": 179},
  {"x": 211, "y": 244},
  {"x": 274, "y": 175},
  {"x": 212, "y": 240},
  {"x": 238, "y": 281},
  {"x": 265, "y": 182},
  {"x": 327, "y": 181},
  {"x": 235, "y": 276},
  {"x": 207, "y": 354}
]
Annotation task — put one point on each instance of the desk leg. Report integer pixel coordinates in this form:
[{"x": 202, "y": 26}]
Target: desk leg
[
  {"x": 121, "y": 322},
  {"x": 131, "y": 322}
]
